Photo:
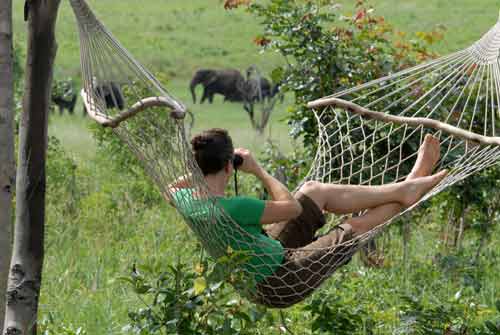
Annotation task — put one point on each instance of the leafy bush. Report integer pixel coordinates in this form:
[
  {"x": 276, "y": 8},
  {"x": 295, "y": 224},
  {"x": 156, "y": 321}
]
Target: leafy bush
[
  {"x": 333, "y": 315},
  {"x": 326, "y": 52},
  {"x": 472, "y": 204},
  {"x": 377, "y": 302},
  {"x": 455, "y": 317},
  {"x": 289, "y": 169},
  {"x": 199, "y": 301},
  {"x": 50, "y": 326},
  {"x": 492, "y": 326}
]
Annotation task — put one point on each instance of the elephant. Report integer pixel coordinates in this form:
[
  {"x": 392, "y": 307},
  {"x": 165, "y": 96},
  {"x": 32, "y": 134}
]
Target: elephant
[
  {"x": 64, "y": 96},
  {"x": 227, "y": 82},
  {"x": 67, "y": 102},
  {"x": 111, "y": 94}
]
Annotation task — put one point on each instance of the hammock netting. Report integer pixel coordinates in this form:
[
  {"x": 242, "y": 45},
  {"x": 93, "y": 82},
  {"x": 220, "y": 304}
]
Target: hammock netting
[{"x": 368, "y": 135}]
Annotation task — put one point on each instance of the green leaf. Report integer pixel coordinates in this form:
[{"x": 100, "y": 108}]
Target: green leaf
[
  {"x": 492, "y": 327},
  {"x": 142, "y": 289},
  {"x": 227, "y": 329},
  {"x": 200, "y": 284},
  {"x": 277, "y": 74},
  {"x": 126, "y": 279}
]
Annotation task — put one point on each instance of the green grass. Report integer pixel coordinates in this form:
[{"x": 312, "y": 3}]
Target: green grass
[
  {"x": 465, "y": 20},
  {"x": 177, "y": 37},
  {"x": 89, "y": 246},
  {"x": 72, "y": 131},
  {"x": 87, "y": 249}
]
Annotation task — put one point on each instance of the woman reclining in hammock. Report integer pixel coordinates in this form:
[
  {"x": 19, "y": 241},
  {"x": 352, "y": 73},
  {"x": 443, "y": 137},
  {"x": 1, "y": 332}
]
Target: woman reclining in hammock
[{"x": 290, "y": 221}]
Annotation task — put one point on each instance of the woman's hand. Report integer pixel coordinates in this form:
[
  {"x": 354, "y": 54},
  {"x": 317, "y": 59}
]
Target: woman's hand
[{"x": 249, "y": 165}]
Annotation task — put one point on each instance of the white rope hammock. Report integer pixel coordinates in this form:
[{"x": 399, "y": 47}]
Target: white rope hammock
[{"x": 366, "y": 135}]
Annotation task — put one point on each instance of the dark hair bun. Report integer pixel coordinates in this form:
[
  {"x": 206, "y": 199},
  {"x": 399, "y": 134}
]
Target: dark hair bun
[
  {"x": 201, "y": 142},
  {"x": 212, "y": 149}
]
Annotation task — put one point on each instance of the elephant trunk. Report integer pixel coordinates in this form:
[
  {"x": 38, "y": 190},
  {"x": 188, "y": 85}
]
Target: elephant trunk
[{"x": 192, "y": 87}]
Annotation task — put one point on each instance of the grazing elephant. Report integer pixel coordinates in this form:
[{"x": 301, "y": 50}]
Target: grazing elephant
[
  {"x": 111, "y": 94},
  {"x": 225, "y": 82},
  {"x": 65, "y": 102},
  {"x": 64, "y": 96}
]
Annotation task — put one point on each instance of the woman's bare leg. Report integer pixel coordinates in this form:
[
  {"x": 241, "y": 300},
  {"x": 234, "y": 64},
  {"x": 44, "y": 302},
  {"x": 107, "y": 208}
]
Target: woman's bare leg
[
  {"x": 345, "y": 199},
  {"x": 427, "y": 158}
]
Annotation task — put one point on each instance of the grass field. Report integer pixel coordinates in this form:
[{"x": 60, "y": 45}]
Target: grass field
[
  {"x": 177, "y": 37},
  {"x": 465, "y": 20},
  {"x": 88, "y": 249}
]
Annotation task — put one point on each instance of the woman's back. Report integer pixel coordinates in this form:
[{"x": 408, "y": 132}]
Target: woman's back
[{"x": 241, "y": 232}]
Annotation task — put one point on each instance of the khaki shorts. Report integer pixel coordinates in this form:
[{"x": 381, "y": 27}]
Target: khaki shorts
[{"x": 310, "y": 259}]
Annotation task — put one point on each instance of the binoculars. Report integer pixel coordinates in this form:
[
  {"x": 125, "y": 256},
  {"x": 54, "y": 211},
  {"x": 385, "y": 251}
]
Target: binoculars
[{"x": 237, "y": 161}]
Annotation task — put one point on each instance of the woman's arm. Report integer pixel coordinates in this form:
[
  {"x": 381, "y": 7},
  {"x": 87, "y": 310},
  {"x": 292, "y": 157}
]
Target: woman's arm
[{"x": 283, "y": 205}]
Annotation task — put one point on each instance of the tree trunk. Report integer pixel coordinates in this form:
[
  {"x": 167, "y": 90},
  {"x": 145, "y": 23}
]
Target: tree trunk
[
  {"x": 7, "y": 163},
  {"x": 26, "y": 265}
]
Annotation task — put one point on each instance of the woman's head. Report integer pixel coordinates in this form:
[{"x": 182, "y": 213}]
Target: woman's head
[{"x": 213, "y": 150}]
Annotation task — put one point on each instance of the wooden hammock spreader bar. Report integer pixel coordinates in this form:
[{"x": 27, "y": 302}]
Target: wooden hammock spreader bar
[
  {"x": 404, "y": 120},
  {"x": 143, "y": 104}
]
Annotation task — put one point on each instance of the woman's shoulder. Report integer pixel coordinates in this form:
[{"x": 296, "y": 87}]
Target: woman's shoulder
[
  {"x": 182, "y": 191},
  {"x": 183, "y": 194}
]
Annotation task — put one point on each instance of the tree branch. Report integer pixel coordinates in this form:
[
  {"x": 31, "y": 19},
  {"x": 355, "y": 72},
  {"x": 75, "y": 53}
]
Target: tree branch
[
  {"x": 113, "y": 122},
  {"x": 410, "y": 121}
]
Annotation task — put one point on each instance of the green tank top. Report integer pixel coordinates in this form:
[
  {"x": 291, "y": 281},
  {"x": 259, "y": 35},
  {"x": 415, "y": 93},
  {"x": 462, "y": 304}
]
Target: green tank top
[{"x": 266, "y": 254}]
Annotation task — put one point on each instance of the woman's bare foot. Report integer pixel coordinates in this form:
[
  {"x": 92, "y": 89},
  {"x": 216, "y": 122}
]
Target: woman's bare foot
[
  {"x": 428, "y": 156},
  {"x": 416, "y": 188}
]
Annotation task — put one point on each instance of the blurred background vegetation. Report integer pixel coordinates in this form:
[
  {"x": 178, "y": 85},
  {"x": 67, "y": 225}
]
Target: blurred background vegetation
[{"x": 119, "y": 260}]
